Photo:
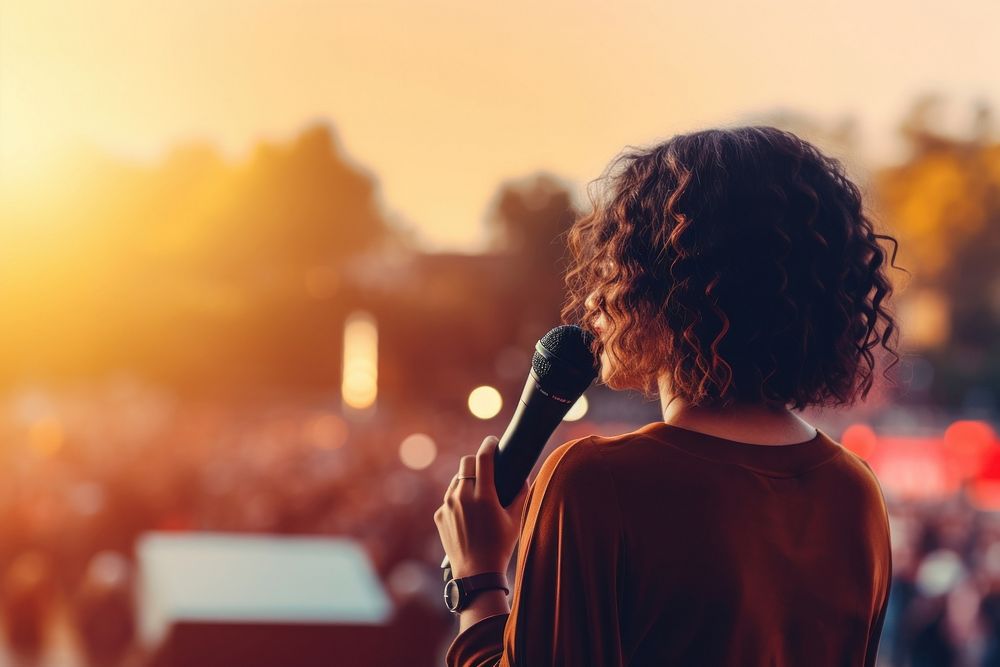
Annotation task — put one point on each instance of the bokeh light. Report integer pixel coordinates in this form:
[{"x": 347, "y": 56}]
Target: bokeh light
[
  {"x": 578, "y": 410},
  {"x": 485, "y": 402},
  {"x": 968, "y": 443},
  {"x": 417, "y": 451},
  {"x": 860, "y": 439},
  {"x": 359, "y": 387}
]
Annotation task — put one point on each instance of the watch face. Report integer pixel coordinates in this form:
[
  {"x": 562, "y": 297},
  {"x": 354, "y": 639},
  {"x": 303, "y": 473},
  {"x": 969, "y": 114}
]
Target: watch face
[{"x": 452, "y": 595}]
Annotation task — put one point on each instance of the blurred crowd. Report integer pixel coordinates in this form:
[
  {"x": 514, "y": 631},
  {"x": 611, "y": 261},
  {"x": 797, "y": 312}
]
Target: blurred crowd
[
  {"x": 84, "y": 473},
  {"x": 944, "y": 604}
]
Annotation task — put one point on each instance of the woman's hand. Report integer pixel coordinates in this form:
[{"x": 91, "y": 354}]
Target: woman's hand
[{"x": 478, "y": 534}]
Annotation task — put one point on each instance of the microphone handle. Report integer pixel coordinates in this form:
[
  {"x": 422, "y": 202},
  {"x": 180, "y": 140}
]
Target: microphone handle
[{"x": 512, "y": 465}]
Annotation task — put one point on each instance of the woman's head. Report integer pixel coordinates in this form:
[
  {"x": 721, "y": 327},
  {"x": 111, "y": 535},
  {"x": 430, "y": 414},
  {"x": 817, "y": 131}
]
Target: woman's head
[{"x": 739, "y": 265}]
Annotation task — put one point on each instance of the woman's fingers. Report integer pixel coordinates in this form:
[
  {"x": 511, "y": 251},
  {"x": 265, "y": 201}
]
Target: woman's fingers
[
  {"x": 466, "y": 468},
  {"x": 484, "y": 468},
  {"x": 451, "y": 488},
  {"x": 466, "y": 477},
  {"x": 475, "y": 475}
]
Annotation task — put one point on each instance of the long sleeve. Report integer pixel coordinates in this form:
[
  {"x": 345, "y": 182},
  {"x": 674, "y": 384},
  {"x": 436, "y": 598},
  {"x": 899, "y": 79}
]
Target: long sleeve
[
  {"x": 875, "y": 634},
  {"x": 567, "y": 583},
  {"x": 885, "y": 579}
]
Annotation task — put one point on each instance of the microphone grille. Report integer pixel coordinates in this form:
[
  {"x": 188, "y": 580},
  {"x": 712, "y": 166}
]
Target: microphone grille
[
  {"x": 541, "y": 365},
  {"x": 566, "y": 361}
]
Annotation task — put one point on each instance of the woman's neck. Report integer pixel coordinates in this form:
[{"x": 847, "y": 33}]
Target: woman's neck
[{"x": 756, "y": 424}]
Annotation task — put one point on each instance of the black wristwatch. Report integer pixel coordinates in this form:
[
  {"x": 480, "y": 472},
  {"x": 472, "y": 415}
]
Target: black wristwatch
[{"x": 459, "y": 592}]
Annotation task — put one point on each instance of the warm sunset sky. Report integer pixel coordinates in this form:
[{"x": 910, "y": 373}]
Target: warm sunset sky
[{"x": 443, "y": 100}]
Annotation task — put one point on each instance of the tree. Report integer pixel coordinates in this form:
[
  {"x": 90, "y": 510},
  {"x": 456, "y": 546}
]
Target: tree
[
  {"x": 529, "y": 220},
  {"x": 944, "y": 205}
]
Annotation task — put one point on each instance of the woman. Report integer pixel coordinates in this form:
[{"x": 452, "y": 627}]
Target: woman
[{"x": 733, "y": 273}]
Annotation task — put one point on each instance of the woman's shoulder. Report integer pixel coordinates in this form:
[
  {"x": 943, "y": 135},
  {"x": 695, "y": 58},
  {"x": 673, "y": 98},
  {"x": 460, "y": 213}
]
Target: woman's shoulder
[
  {"x": 589, "y": 459},
  {"x": 570, "y": 460},
  {"x": 574, "y": 484},
  {"x": 859, "y": 479},
  {"x": 592, "y": 450}
]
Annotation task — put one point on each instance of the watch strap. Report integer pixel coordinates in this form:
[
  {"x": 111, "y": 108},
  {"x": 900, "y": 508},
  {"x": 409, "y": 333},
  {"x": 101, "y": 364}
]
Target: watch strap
[
  {"x": 458, "y": 593},
  {"x": 484, "y": 581}
]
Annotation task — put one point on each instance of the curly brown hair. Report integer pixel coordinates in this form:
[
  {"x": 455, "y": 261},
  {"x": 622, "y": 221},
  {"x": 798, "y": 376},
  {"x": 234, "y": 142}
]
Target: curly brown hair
[{"x": 739, "y": 263}]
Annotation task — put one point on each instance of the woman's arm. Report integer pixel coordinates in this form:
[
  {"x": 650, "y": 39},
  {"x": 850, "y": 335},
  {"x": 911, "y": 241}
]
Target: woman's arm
[
  {"x": 566, "y": 592},
  {"x": 491, "y": 602}
]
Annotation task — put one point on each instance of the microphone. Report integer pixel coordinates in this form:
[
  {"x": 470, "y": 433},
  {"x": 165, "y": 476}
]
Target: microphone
[{"x": 562, "y": 368}]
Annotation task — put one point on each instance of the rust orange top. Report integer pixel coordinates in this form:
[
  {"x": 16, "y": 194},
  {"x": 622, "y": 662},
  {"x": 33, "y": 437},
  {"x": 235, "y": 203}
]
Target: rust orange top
[{"x": 665, "y": 546}]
